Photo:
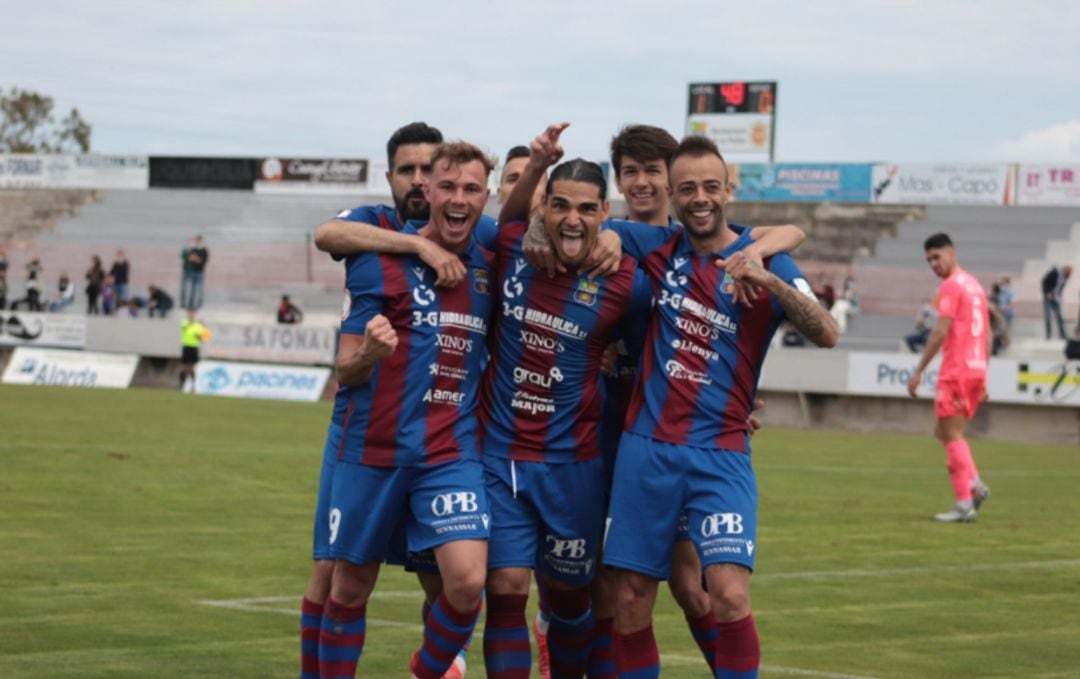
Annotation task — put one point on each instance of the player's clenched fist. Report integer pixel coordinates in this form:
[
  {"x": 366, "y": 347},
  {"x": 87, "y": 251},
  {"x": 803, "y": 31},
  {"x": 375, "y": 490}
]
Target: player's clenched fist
[{"x": 380, "y": 338}]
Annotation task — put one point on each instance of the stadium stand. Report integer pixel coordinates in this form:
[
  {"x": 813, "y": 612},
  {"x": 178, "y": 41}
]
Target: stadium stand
[
  {"x": 992, "y": 242},
  {"x": 259, "y": 248}
]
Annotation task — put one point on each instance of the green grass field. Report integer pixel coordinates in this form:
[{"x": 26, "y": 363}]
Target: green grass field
[{"x": 123, "y": 512}]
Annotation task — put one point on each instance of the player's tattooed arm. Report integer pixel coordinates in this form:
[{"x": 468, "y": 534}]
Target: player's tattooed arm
[
  {"x": 343, "y": 238},
  {"x": 768, "y": 240},
  {"x": 804, "y": 312},
  {"x": 544, "y": 151},
  {"x": 359, "y": 354},
  {"x": 933, "y": 344}
]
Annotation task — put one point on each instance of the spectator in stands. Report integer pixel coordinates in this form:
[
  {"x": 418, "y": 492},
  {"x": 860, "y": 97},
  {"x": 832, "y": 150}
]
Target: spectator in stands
[
  {"x": 120, "y": 272},
  {"x": 108, "y": 296},
  {"x": 999, "y": 327},
  {"x": 1053, "y": 283},
  {"x": 95, "y": 278},
  {"x": 194, "y": 257},
  {"x": 33, "y": 287},
  {"x": 65, "y": 294},
  {"x": 1006, "y": 301},
  {"x": 288, "y": 313},
  {"x": 158, "y": 302},
  {"x": 825, "y": 292},
  {"x": 924, "y": 323}
]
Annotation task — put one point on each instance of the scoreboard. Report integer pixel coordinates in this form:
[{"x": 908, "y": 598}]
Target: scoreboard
[{"x": 738, "y": 115}]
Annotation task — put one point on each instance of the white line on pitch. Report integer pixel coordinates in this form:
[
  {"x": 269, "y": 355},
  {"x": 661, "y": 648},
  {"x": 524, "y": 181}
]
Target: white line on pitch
[{"x": 250, "y": 605}]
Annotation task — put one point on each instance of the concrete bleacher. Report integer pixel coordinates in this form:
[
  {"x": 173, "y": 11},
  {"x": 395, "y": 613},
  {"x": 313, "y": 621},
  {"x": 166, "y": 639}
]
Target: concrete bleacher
[
  {"x": 991, "y": 242},
  {"x": 259, "y": 244},
  {"x": 260, "y": 248}
]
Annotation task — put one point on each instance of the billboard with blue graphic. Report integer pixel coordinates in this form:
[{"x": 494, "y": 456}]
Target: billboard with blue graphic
[
  {"x": 810, "y": 182},
  {"x": 259, "y": 380}
]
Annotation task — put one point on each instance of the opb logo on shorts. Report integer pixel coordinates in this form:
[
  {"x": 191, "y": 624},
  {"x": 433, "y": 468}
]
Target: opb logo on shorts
[
  {"x": 566, "y": 549},
  {"x": 452, "y": 503},
  {"x": 728, "y": 523}
]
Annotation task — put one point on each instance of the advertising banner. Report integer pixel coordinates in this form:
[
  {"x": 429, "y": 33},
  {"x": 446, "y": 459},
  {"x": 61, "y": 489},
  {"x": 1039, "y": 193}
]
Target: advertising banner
[
  {"x": 255, "y": 380},
  {"x": 1053, "y": 383},
  {"x": 273, "y": 343},
  {"x": 60, "y": 368},
  {"x": 883, "y": 374},
  {"x": 1008, "y": 381},
  {"x": 1048, "y": 185},
  {"x": 97, "y": 172},
  {"x": 91, "y": 171},
  {"x": 311, "y": 175},
  {"x": 202, "y": 173},
  {"x": 43, "y": 330},
  {"x": 956, "y": 184},
  {"x": 22, "y": 171},
  {"x": 733, "y": 134},
  {"x": 812, "y": 182}
]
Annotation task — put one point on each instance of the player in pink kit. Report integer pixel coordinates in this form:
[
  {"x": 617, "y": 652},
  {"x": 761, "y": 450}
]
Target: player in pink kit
[{"x": 962, "y": 332}]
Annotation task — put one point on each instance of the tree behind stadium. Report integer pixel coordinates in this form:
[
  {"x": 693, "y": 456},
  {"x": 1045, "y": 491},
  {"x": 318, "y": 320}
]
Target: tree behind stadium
[{"x": 27, "y": 125}]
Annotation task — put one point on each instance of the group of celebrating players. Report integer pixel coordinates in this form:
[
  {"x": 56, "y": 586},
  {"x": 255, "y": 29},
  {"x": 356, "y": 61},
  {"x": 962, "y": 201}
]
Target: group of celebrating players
[{"x": 477, "y": 439}]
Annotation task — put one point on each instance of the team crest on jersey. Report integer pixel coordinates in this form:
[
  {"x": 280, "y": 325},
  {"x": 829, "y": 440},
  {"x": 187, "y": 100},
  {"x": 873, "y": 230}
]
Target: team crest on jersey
[
  {"x": 481, "y": 283},
  {"x": 586, "y": 291},
  {"x": 727, "y": 286}
]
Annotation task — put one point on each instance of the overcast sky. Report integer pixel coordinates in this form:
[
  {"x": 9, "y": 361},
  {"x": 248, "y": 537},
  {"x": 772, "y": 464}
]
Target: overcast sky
[{"x": 865, "y": 80}]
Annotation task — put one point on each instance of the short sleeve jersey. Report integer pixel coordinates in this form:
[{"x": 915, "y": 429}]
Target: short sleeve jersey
[
  {"x": 703, "y": 352},
  {"x": 541, "y": 399},
  {"x": 419, "y": 406},
  {"x": 961, "y": 297}
]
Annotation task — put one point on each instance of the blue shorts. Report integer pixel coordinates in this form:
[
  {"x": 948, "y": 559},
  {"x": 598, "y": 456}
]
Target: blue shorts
[
  {"x": 655, "y": 482},
  {"x": 438, "y": 504},
  {"x": 546, "y": 516},
  {"x": 321, "y": 541}
]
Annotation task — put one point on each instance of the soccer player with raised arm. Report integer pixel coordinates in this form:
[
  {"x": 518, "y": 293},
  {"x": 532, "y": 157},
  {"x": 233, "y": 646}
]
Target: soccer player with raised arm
[
  {"x": 405, "y": 427},
  {"x": 962, "y": 334},
  {"x": 686, "y": 445},
  {"x": 540, "y": 412}
]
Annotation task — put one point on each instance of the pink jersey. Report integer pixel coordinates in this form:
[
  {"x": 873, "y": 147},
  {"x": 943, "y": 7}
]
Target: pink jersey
[{"x": 962, "y": 298}]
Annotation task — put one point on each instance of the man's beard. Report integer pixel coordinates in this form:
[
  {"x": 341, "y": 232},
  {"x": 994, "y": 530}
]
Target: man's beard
[{"x": 408, "y": 213}]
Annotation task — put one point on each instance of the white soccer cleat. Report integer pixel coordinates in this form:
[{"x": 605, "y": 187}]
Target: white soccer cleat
[
  {"x": 979, "y": 495},
  {"x": 957, "y": 514}
]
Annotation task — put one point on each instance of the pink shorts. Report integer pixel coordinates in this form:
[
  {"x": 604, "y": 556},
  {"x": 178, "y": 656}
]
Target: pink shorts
[{"x": 959, "y": 396}]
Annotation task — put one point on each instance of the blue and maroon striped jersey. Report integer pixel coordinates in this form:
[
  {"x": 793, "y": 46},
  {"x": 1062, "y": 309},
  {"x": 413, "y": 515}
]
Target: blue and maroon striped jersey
[
  {"x": 540, "y": 400},
  {"x": 703, "y": 352},
  {"x": 385, "y": 216},
  {"x": 419, "y": 407}
]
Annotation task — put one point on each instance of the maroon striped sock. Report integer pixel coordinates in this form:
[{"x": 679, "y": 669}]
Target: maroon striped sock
[
  {"x": 737, "y": 646},
  {"x": 310, "y": 623}
]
